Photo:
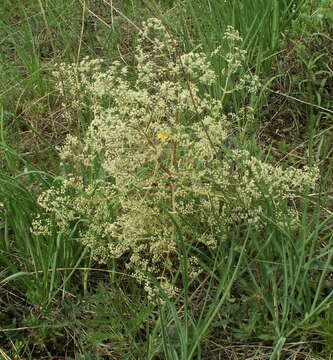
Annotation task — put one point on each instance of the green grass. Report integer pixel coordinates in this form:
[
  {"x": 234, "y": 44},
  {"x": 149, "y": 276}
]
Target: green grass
[{"x": 262, "y": 294}]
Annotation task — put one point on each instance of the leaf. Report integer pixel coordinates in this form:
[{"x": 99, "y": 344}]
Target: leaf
[
  {"x": 320, "y": 265},
  {"x": 14, "y": 276}
]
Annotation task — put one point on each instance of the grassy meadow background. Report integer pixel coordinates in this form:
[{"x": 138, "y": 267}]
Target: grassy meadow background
[{"x": 263, "y": 294}]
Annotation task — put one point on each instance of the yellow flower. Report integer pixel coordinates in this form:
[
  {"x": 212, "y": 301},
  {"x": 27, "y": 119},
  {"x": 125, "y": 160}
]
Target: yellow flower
[{"x": 163, "y": 136}]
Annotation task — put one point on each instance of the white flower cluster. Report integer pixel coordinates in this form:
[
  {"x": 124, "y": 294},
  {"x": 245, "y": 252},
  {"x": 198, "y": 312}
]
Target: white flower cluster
[{"x": 153, "y": 157}]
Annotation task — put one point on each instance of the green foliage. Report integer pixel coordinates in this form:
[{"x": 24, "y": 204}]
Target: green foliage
[
  {"x": 253, "y": 284},
  {"x": 310, "y": 34}
]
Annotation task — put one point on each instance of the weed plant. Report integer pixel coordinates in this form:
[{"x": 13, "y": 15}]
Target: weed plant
[
  {"x": 169, "y": 223},
  {"x": 155, "y": 155}
]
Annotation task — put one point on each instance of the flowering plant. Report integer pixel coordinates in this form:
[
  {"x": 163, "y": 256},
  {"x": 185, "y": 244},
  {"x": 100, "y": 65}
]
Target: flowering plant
[{"x": 155, "y": 156}]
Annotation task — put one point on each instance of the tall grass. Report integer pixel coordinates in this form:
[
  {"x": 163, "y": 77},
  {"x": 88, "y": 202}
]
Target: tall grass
[{"x": 268, "y": 292}]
